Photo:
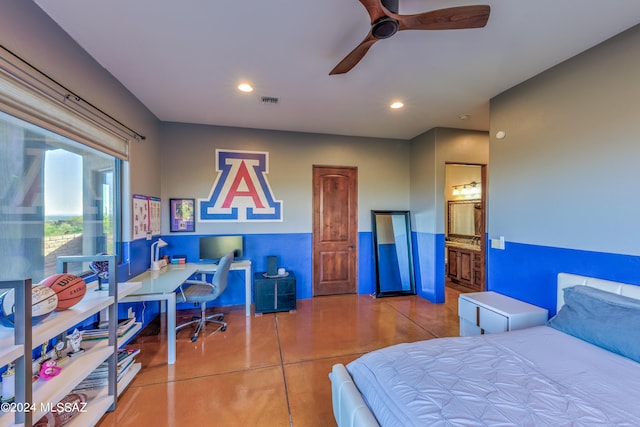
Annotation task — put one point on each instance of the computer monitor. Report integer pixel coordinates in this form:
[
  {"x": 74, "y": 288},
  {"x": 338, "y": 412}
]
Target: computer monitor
[{"x": 212, "y": 248}]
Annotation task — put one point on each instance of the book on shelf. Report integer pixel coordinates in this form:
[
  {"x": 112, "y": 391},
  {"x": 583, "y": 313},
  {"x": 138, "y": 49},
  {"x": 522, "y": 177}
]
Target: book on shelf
[
  {"x": 102, "y": 333},
  {"x": 125, "y": 357},
  {"x": 127, "y": 354},
  {"x": 98, "y": 378}
]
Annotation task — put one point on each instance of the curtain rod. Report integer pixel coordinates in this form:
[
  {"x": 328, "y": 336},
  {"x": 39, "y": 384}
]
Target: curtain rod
[{"x": 76, "y": 97}]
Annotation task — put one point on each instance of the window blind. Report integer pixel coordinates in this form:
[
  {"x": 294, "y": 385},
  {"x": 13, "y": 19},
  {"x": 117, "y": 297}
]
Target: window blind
[{"x": 32, "y": 98}]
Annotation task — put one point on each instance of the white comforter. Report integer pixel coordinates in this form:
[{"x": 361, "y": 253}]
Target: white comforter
[{"x": 533, "y": 377}]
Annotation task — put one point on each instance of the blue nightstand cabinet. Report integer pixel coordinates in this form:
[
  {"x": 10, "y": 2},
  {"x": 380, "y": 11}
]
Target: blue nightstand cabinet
[{"x": 274, "y": 294}]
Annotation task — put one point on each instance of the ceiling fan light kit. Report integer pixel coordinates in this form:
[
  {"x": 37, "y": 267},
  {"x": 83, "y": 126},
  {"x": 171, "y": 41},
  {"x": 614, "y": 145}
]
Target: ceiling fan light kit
[{"x": 385, "y": 22}]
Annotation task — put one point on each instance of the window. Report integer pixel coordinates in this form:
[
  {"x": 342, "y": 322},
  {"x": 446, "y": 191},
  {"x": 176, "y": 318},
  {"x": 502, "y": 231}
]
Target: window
[{"x": 57, "y": 197}]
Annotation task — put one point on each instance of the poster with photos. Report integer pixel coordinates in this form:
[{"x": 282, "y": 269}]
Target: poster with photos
[
  {"x": 145, "y": 216},
  {"x": 154, "y": 215}
]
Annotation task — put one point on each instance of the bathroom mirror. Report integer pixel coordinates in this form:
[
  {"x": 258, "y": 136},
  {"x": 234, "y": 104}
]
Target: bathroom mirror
[
  {"x": 465, "y": 218},
  {"x": 393, "y": 256}
]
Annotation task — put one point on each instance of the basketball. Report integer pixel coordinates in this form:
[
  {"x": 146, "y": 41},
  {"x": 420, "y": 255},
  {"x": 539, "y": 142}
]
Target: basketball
[
  {"x": 43, "y": 302},
  {"x": 69, "y": 288}
]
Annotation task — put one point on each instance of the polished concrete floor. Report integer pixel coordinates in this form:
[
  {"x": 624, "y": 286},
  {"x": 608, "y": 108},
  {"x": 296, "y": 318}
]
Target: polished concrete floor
[{"x": 270, "y": 370}]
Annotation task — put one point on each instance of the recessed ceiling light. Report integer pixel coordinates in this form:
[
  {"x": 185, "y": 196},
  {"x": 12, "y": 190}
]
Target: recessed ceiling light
[
  {"x": 464, "y": 116},
  {"x": 245, "y": 87},
  {"x": 397, "y": 104}
]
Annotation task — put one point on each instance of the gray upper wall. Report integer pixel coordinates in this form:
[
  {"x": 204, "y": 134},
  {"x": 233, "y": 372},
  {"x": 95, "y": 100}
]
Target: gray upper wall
[
  {"x": 430, "y": 152},
  {"x": 566, "y": 173},
  {"x": 188, "y": 171}
]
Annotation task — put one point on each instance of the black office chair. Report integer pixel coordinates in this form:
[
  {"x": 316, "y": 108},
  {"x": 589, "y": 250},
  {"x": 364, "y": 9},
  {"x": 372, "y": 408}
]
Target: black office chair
[{"x": 201, "y": 292}]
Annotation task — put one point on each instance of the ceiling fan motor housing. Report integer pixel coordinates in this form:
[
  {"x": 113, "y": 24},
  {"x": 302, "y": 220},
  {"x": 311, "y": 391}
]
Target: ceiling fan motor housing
[{"x": 384, "y": 27}]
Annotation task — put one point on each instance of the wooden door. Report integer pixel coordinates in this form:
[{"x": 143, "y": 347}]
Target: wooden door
[{"x": 335, "y": 230}]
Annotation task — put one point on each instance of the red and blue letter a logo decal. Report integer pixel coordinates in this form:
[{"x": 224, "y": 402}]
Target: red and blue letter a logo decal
[{"x": 241, "y": 191}]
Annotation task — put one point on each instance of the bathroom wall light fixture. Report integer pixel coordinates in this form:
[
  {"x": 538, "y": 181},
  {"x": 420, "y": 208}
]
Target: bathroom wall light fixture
[{"x": 472, "y": 188}]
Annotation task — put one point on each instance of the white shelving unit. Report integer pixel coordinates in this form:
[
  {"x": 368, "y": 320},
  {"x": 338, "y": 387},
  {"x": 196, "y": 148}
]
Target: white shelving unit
[
  {"x": 13, "y": 349},
  {"x": 135, "y": 368},
  {"x": 43, "y": 393}
]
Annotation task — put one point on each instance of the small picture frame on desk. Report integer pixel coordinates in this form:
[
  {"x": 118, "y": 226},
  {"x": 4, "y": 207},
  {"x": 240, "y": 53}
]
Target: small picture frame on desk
[{"x": 182, "y": 215}]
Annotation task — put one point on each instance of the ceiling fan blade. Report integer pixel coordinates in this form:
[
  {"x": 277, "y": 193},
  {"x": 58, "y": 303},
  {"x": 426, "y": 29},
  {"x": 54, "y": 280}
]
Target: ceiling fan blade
[
  {"x": 452, "y": 18},
  {"x": 375, "y": 9},
  {"x": 354, "y": 56}
]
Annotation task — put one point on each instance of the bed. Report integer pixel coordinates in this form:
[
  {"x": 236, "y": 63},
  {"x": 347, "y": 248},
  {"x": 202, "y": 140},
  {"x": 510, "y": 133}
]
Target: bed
[{"x": 582, "y": 368}]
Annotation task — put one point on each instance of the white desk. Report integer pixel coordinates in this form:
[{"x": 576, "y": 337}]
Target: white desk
[{"x": 161, "y": 285}]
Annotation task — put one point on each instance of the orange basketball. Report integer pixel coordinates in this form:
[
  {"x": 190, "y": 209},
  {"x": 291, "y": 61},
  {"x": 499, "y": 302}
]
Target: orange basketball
[{"x": 69, "y": 288}]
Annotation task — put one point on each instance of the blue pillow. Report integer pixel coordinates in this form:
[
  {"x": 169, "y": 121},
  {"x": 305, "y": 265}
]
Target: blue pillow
[{"x": 608, "y": 320}]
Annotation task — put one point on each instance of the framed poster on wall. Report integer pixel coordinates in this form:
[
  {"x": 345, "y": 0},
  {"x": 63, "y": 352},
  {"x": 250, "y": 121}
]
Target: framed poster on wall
[
  {"x": 140, "y": 216},
  {"x": 145, "y": 219},
  {"x": 182, "y": 215},
  {"x": 154, "y": 215}
]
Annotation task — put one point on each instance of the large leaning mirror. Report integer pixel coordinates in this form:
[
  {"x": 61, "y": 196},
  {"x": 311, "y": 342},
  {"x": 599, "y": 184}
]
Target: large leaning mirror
[{"x": 393, "y": 253}]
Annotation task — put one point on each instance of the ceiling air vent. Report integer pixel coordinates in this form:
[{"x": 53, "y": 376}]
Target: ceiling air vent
[{"x": 269, "y": 100}]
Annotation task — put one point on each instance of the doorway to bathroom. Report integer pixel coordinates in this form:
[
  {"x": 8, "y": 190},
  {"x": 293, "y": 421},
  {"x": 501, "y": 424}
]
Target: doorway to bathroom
[{"x": 465, "y": 219}]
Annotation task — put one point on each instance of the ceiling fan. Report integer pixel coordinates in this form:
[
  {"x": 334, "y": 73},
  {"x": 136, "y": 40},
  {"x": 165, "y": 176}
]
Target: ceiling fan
[{"x": 385, "y": 22}]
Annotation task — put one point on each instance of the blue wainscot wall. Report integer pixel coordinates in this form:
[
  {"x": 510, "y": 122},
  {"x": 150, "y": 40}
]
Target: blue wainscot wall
[
  {"x": 428, "y": 256},
  {"x": 529, "y": 272},
  {"x": 293, "y": 252}
]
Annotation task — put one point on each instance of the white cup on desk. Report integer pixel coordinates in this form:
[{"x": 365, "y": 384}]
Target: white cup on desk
[{"x": 281, "y": 271}]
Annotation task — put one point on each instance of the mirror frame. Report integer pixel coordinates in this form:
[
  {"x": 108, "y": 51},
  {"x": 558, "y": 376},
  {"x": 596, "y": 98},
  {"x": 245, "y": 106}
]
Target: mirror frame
[{"x": 376, "y": 253}]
